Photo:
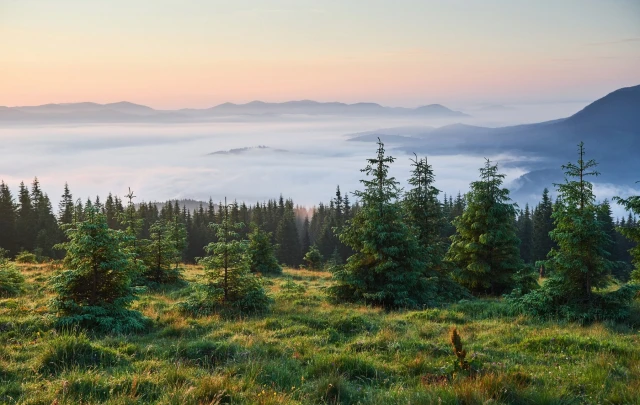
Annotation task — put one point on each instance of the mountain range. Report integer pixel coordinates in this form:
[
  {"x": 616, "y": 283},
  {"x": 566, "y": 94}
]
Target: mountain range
[
  {"x": 609, "y": 127},
  {"x": 124, "y": 112}
]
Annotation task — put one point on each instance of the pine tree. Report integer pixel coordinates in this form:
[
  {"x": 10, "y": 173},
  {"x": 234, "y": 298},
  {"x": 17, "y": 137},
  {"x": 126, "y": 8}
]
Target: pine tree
[
  {"x": 95, "y": 291},
  {"x": 262, "y": 253},
  {"x": 386, "y": 268},
  {"x": 424, "y": 212},
  {"x": 485, "y": 247}
]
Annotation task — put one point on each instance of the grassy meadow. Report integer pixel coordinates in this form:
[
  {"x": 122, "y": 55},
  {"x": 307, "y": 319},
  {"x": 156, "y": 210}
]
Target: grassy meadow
[{"x": 309, "y": 350}]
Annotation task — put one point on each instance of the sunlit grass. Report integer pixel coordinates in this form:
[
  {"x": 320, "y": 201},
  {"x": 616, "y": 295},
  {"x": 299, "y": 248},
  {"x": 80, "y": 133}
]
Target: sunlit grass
[{"x": 310, "y": 350}]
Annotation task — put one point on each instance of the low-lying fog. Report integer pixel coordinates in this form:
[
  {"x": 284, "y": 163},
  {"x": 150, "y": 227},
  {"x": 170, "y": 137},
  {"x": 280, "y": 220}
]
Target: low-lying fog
[{"x": 252, "y": 161}]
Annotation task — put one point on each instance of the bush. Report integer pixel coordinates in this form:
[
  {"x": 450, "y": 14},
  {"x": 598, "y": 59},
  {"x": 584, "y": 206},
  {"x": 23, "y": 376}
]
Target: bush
[
  {"x": 314, "y": 259},
  {"x": 554, "y": 300},
  {"x": 26, "y": 257}
]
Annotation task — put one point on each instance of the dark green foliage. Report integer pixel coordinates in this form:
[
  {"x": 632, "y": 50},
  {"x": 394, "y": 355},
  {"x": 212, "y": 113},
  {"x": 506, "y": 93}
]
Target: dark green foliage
[
  {"x": 387, "y": 267},
  {"x": 542, "y": 225},
  {"x": 581, "y": 258},
  {"x": 580, "y": 263},
  {"x": 313, "y": 258},
  {"x": 485, "y": 247},
  {"x": 262, "y": 253},
  {"x": 230, "y": 284},
  {"x": 11, "y": 280},
  {"x": 162, "y": 254},
  {"x": 95, "y": 291},
  {"x": 424, "y": 213},
  {"x": 525, "y": 234},
  {"x": 26, "y": 257},
  {"x": 556, "y": 299},
  {"x": 287, "y": 238},
  {"x": 632, "y": 232},
  {"x": 8, "y": 218}
]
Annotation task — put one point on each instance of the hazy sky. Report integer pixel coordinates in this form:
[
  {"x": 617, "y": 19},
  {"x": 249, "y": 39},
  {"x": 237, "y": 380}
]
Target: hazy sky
[{"x": 170, "y": 54}]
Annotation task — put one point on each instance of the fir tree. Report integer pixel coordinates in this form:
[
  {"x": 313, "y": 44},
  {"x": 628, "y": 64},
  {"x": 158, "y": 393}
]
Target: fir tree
[
  {"x": 230, "y": 285},
  {"x": 580, "y": 263},
  {"x": 632, "y": 232},
  {"x": 485, "y": 247},
  {"x": 287, "y": 238},
  {"x": 95, "y": 291},
  {"x": 542, "y": 225},
  {"x": 66, "y": 207},
  {"x": 162, "y": 255},
  {"x": 581, "y": 259},
  {"x": 386, "y": 268},
  {"x": 425, "y": 213},
  {"x": 25, "y": 221},
  {"x": 306, "y": 237},
  {"x": 262, "y": 253},
  {"x": 8, "y": 217},
  {"x": 313, "y": 258},
  {"x": 525, "y": 234}
]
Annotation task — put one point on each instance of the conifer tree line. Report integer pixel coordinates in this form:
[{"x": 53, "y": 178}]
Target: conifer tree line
[
  {"x": 29, "y": 223},
  {"x": 393, "y": 247}
]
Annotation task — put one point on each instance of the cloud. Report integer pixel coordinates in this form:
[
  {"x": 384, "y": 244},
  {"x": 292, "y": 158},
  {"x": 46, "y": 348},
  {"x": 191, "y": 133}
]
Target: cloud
[{"x": 619, "y": 41}]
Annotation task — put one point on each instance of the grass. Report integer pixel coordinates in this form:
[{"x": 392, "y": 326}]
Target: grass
[{"x": 308, "y": 350}]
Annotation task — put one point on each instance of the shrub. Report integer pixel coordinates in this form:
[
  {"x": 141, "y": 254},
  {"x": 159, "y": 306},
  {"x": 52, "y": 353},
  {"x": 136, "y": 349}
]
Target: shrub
[
  {"x": 26, "y": 257},
  {"x": 314, "y": 258},
  {"x": 11, "y": 280}
]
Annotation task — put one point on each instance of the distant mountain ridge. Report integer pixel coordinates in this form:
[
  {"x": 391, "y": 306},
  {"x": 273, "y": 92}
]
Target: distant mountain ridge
[
  {"x": 125, "y": 111},
  {"x": 609, "y": 127}
]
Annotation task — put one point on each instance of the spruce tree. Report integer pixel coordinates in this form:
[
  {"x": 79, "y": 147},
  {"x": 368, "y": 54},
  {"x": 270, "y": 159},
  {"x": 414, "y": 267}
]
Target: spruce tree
[
  {"x": 485, "y": 248},
  {"x": 581, "y": 260},
  {"x": 314, "y": 259},
  {"x": 230, "y": 284},
  {"x": 287, "y": 238},
  {"x": 25, "y": 221},
  {"x": 161, "y": 254},
  {"x": 95, "y": 289},
  {"x": 424, "y": 212},
  {"x": 306, "y": 237},
  {"x": 632, "y": 232},
  {"x": 542, "y": 225},
  {"x": 525, "y": 234},
  {"x": 262, "y": 253},
  {"x": 8, "y": 217},
  {"x": 387, "y": 267},
  {"x": 66, "y": 207}
]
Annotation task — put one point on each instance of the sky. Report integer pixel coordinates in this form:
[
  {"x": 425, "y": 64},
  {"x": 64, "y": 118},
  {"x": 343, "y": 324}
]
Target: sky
[{"x": 177, "y": 54}]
